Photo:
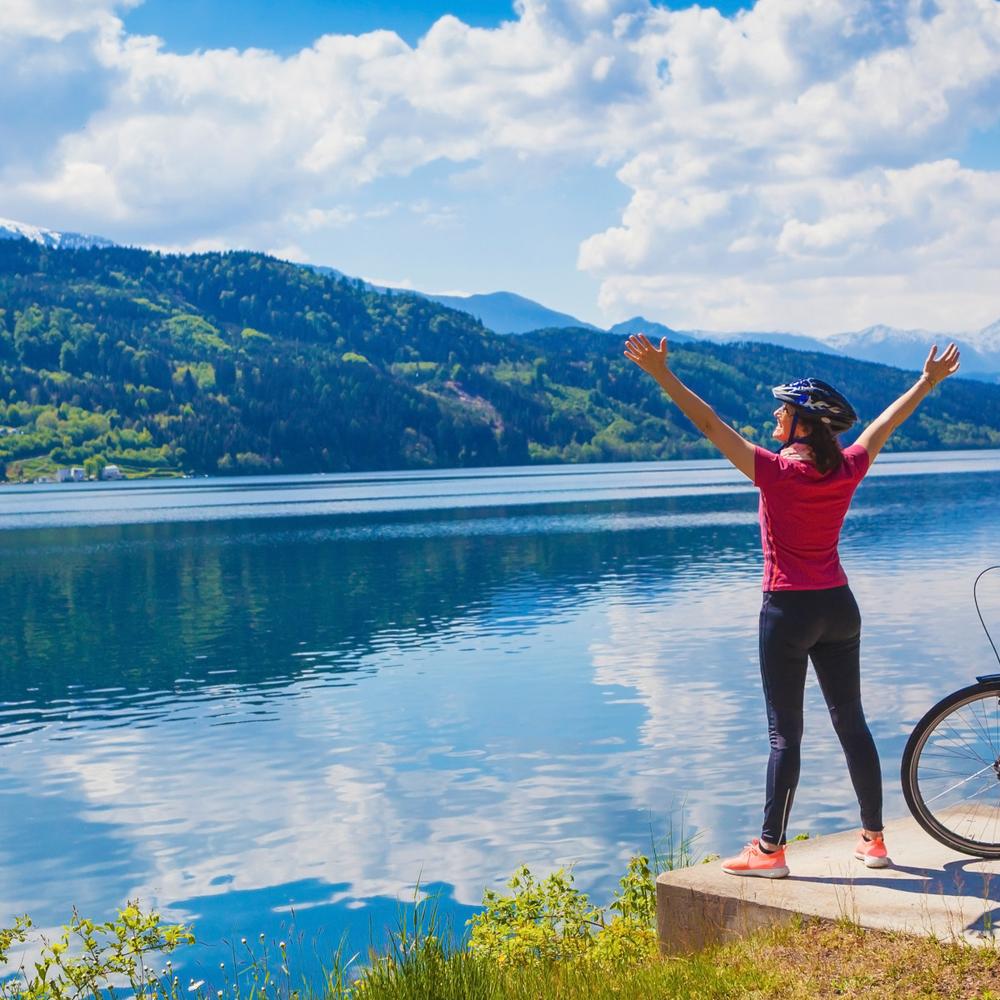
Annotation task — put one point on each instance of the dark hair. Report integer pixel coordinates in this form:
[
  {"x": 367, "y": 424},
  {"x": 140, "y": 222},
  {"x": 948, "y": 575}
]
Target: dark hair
[{"x": 827, "y": 453}]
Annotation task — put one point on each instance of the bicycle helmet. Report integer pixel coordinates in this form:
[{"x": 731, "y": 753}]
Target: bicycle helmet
[{"x": 817, "y": 400}]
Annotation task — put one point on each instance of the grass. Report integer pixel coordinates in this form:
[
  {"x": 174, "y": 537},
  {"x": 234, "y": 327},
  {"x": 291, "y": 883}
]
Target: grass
[
  {"x": 28, "y": 469},
  {"x": 806, "y": 961},
  {"x": 542, "y": 939},
  {"x": 534, "y": 944},
  {"x": 798, "y": 961},
  {"x": 820, "y": 960}
]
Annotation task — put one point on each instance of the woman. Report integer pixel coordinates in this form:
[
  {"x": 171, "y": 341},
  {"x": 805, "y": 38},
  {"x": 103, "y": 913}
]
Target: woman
[{"x": 808, "y": 611}]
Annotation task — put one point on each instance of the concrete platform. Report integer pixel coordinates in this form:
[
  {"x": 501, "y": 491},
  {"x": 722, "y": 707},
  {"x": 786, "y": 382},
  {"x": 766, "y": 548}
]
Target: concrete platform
[{"x": 928, "y": 889}]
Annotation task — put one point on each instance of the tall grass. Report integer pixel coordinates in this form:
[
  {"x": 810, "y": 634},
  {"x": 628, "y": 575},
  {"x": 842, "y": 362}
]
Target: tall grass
[
  {"x": 541, "y": 938},
  {"x": 679, "y": 847},
  {"x": 435, "y": 973},
  {"x": 427, "y": 961}
]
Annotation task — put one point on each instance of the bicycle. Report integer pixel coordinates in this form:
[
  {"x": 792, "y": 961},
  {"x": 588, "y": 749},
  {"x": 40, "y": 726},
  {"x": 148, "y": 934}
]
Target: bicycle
[{"x": 951, "y": 764}]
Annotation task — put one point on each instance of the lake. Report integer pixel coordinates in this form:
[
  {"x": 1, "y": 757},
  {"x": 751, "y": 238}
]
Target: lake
[{"x": 242, "y": 699}]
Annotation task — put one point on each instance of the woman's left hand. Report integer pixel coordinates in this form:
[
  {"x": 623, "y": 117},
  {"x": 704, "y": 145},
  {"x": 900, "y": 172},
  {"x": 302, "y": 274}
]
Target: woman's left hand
[{"x": 940, "y": 368}]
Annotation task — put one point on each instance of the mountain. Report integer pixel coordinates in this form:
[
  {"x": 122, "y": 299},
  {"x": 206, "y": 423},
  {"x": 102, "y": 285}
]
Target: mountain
[
  {"x": 989, "y": 337},
  {"x": 223, "y": 363},
  {"x": 10, "y": 230},
  {"x": 883, "y": 345},
  {"x": 505, "y": 312},
  {"x": 654, "y": 331},
  {"x": 795, "y": 341},
  {"x": 501, "y": 312},
  {"x": 508, "y": 313},
  {"x": 908, "y": 348}
]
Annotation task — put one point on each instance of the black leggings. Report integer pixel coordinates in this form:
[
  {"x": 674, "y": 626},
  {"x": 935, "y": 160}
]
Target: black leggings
[{"x": 825, "y": 626}]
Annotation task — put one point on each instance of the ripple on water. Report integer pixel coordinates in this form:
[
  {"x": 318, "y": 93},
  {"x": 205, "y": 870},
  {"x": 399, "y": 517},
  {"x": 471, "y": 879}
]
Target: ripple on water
[{"x": 244, "y": 716}]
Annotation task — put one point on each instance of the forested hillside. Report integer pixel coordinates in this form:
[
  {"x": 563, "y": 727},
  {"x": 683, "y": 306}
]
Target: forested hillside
[{"x": 236, "y": 362}]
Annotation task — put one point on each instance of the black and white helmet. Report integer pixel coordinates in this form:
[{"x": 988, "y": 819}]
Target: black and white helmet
[{"x": 818, "y": 400}]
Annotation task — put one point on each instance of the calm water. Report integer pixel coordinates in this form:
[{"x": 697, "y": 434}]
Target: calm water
[{"x": 236, "y": 698}]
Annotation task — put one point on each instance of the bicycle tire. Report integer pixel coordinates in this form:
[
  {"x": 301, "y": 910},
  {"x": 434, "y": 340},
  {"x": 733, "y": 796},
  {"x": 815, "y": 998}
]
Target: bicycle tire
[{"x": 951, "y": 771}]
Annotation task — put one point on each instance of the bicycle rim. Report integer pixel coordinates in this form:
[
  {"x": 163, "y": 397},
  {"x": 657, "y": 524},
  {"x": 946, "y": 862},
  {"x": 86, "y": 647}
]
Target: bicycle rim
[{"x": 951, "y": 771}]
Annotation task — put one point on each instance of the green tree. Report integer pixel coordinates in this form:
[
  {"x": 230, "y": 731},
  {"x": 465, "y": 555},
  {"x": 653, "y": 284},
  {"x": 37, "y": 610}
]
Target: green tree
[{"x": 94, "y": 466}]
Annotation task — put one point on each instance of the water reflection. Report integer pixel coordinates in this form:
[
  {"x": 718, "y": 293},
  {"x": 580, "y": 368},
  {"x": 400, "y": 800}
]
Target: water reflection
[{"x": 233, "y": 718}]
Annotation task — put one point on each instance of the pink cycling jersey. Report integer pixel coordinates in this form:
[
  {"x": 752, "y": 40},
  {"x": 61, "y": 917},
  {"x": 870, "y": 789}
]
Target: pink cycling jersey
[{"x": 801, "y": 513}]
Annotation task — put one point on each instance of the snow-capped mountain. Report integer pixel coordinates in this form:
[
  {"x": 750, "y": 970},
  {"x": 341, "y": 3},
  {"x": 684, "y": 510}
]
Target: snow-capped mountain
[
  {"x": 908, "y": 348},
  {"x": 988, "y": 339},
  {"x": 10, "y": 230},
  {"x": 884, "y": 345}
]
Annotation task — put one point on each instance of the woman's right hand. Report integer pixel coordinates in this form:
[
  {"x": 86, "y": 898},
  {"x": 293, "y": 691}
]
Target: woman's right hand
[
  {"x": 650, "y": 359},
  {"x": 653, "y": 360}
]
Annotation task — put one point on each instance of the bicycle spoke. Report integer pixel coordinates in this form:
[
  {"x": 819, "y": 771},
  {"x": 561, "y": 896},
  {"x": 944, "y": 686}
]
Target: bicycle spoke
[
  {"x": 974, "y": 812},
  {"x": 972, "y": 755},
  {"x": 951, "y": 773},
  {"x": 984, "y": 728},
  {"x": 958, "y": 784}
]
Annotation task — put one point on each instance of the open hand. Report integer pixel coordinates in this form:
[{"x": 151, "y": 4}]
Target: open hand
[
  {"x": 940, "y": 368},
  {"x": 648, "y": 358}
]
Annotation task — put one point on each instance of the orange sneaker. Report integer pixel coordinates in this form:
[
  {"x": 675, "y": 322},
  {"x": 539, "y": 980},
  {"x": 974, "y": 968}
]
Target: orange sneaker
[
  {"x": 872, "y": 852},
  {"x": 753, "y": 861}
]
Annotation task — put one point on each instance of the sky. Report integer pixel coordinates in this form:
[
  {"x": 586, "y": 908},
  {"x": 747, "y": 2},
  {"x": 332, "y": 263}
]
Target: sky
[{"x": 807, "y": 165}]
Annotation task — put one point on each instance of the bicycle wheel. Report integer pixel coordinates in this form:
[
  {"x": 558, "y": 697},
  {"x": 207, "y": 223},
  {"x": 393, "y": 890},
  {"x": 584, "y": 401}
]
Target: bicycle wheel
[{"x": 951, "y": 771}]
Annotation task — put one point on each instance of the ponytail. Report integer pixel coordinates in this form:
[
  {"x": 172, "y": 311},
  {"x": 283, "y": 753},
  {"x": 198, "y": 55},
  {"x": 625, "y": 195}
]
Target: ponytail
[{"x": 827, "y": 453}]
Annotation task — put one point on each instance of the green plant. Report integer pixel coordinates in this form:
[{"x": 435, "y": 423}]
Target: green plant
[
  {"x": 631, "y": 937},
  {"x": 94, "y": 960},
  {"x": 637, "y": 900},
  {"x": 543, "y": 920},
  {"x": 551, "y": 920}
]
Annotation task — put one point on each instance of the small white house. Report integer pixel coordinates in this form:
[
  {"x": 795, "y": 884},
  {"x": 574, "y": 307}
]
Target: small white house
[
  {"x": 63, "y": 475},
  {"x": 111, "y": 472},
  {"x": 77, "y": 475}
]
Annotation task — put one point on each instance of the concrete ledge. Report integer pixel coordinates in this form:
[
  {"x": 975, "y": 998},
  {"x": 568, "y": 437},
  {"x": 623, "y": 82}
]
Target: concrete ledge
[{"x": 928, "y": 889}]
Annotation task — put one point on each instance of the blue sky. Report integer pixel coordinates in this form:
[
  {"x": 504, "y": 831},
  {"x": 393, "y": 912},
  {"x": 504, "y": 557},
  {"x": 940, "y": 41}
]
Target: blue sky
[
  {"x": 287, "y": 27},
  {"x": 811, "y": 165}
]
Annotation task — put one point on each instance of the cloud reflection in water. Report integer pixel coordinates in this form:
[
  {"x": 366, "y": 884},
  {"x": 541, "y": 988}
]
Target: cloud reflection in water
[{"x": 228, "y": 719}]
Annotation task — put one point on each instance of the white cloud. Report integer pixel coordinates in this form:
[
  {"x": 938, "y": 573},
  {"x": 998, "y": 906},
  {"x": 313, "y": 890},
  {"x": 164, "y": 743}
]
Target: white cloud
[
  {"x": 404, "y": 283},
  {"x": 56, "y": 19},
  {"x": 802, "y": 184},
  {"x": 789, "y": 167},
  {"x": 291, "y": 252},
  {"x": 320, "y": 218}
]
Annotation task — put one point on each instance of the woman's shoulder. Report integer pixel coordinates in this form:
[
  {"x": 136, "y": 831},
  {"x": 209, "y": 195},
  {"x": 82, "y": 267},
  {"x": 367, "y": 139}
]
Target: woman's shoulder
[
  {"x": 857, "y": 459},
  {"x": 794, "y": 464},
  {"x": 765, "y": 467},
  {"x": 776, "y": 466}
]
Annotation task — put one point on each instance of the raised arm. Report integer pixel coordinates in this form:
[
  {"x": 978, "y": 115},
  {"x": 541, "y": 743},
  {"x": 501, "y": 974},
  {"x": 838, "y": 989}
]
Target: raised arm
[
  {"x": 875, "y": 435},
  {"x": 653, "y": 361}
]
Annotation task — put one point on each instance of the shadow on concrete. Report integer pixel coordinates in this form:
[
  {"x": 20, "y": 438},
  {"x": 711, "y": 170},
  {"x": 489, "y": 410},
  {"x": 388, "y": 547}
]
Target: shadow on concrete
[
  {"x": 930, "y": 890},
  {"x": 954, "y": 879}
]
